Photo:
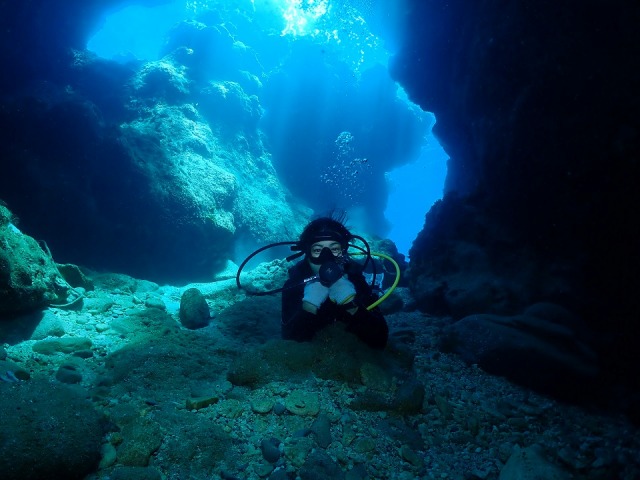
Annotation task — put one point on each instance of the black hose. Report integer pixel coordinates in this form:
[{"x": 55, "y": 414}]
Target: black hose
[{"x": 246, "y": 260}]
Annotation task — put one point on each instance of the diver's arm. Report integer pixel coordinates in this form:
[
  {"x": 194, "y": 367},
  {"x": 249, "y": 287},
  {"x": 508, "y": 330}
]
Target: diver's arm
[
  {"x": 291, "y": 300},
  {"x": 293, "y": 292}
]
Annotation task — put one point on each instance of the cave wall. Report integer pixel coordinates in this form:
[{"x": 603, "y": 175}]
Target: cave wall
[
  {"x": 35, "y": 36},
  {"x": 146, "y": 169},
  {"x": 537, "y": 105}
]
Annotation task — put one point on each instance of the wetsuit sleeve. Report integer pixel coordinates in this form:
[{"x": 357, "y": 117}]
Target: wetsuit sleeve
[{"x": 292, "y": 294}]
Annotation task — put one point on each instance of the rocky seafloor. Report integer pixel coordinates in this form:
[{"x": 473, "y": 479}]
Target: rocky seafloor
[{"x": 117, "y": 388}]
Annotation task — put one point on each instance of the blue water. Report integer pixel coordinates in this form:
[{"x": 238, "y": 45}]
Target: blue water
[
  {"x": 136, "y": 32},
  {"x": 339, "y": 38},
  {"x": 413, "y": 189}
]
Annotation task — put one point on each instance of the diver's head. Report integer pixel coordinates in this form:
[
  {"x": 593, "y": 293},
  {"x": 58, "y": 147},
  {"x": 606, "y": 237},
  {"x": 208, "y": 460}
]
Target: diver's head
[{"x": 324, "y": 233}]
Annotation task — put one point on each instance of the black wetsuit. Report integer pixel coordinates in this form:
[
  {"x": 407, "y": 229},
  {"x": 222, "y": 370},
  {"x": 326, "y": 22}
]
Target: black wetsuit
[{"x": 298, "y": 324}]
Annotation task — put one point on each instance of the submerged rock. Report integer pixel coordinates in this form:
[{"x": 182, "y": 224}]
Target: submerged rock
[
  {"x": 542, "y": 348},
  {"x": 531, "y": 464},
  {"x": 51, "y": 346},
  {"x": 194, "y": 310},
  {"x": 29, "y": 279},
  {"x": 48, "y": 431}
]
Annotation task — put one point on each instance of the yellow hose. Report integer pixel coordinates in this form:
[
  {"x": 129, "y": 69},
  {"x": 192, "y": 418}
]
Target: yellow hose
[{"x": 395, "y": 282}]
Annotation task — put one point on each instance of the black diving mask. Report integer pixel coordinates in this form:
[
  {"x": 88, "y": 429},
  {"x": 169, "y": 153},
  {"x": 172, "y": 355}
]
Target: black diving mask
[
  {"x": 331, "y": 267},
  {"x": 326, "y": 255}
]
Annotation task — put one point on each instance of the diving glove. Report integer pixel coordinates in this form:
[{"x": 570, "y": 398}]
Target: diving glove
[{"x": 342, "y": 291}]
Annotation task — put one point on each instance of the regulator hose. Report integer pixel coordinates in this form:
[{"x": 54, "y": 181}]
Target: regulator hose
[{"x": 395, "y": 282}]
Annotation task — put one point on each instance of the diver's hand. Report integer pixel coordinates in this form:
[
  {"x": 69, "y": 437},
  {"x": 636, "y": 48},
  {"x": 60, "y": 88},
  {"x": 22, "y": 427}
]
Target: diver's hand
[
  {"x": 314, "y": 295},
  {"x": 342, "y": 291}
]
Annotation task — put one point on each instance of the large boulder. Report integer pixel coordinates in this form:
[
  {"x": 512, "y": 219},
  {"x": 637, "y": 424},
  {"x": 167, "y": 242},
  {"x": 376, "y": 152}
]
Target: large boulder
[
  {"x": 48, "y": 430},
  {"x": 545, "y": 347},
  {"x": 29, "y": 279},
  {"x": 194, "y": 310}
]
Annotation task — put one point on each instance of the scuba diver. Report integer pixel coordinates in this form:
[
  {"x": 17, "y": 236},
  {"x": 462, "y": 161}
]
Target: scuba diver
[
  {"x": 338, "y": 290},
  {"x": 328, "y": 286}
]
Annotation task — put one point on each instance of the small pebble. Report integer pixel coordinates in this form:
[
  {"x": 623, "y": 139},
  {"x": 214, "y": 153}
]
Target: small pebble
[{"x": 279, "y": 408}]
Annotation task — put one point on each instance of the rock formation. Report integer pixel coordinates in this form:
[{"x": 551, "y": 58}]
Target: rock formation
[{"x": 537, "y": 106}]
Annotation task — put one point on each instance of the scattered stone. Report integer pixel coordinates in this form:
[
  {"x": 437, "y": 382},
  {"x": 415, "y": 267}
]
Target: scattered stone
[
  {"x": 280, "y": 473},
  {"x": 270, "y": 448},
  {"x": 98, "y": 305},
  {"x": 201, "y": 402},
  {"x": 51, "y": 325},
  {"x": 61, "y": 345},
  {"x": 279, "y": 408},
  {"x": 155, "y": 302},
  {"x": 263, "y": 469},
  {"x": 375, "y": 377},
  {"x": 410, "y": 456},
  {"x": 144, "y": 286},
  {"x": 297, "y": 449},
  {"x": 321, "y": 427},
  {"x": 529, "y": 464},
  {"x": 141, "y": 438},
  {"x": 348, "y": 435},
  {"x": 108, "y": 452},
  {"x": 261, "y": 404},
  {"x": 409, "y": 397},
  {"x": 364, "y": 445},
  {"x": 68, "y": 373},
  {"x": 300, "y": 402},
  {"x": 194, "y": 310},
  {"x": 443, "y": 406},
  {"x": 75, "y": 277},
  {"x": 320, "y": 466},
  {"x": 231, "y": 408}
]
